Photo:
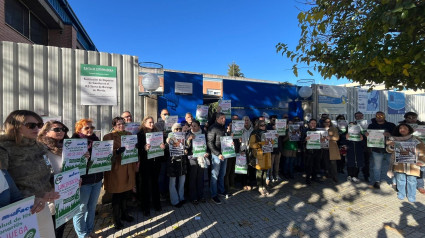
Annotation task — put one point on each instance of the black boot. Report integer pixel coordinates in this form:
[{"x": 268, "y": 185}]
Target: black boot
[
  {"x": 116, "y": 216},
  {"x": 124, "y": 213}
]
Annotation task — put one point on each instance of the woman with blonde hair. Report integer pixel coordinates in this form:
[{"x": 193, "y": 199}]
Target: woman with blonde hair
[
  {"x": 90, "y": 185},
  {"x": 147, "y": 182},
  {"x": 52, "y": 135},
  {"x": 23, "y": 157}
]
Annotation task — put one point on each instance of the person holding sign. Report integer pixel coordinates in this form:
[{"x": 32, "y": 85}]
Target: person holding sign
[
  {"x": 122, "y": 178},
  {"x": 52, "y": 135},
  {"x": 24, "y": 159},
  {"x": 218, "y": 162},
  {"x": 147, "y": 183},
  {"x": 261, "y": 161},
  {"x": 290, "y": 149},
  {"x": 248, "y": 180},
  {"x": 406, "y": 169},
  {"x": 90, "y": 185},
  {"x": 355, "y": 153},
  {"x": 331, "y": 155},
  {"x": 312, "y": 156},
  {"x": 378, "y": 154},
  {"x": 198, "y": 161},
  {"x": 176, "y": 165}
]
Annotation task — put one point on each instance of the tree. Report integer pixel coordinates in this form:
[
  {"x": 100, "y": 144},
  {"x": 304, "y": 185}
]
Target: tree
[
  {"x": 379, "y": 41},
  {"x": 234, "y": 70}
]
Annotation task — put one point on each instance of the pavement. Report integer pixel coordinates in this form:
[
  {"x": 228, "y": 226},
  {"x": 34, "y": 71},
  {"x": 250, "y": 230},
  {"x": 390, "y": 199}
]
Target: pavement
[{"x": 293, "y": 209}]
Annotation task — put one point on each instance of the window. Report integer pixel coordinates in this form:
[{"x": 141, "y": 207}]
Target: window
[{"x": 25, "y": 22}]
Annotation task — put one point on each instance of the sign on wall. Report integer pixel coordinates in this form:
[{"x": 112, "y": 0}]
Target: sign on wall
[
  {"x": 332, "y": 99},
  {"x": 367, "y": 102},
  {"x": 98, "y": 85},
  {"x": 396, "y": 103}
]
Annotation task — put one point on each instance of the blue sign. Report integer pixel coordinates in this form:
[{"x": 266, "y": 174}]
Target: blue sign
[{"x": 396, "y": 103}]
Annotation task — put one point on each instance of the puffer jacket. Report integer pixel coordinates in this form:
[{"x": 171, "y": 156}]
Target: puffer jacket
[
  {"x": 27, "y": 165},
  {"x": 215, "y": 132}
]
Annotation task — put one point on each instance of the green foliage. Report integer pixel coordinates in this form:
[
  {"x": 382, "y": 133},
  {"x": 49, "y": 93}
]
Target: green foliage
[
  {"x": 364, "y": 41},
  {"x": 234, "y": 70}
]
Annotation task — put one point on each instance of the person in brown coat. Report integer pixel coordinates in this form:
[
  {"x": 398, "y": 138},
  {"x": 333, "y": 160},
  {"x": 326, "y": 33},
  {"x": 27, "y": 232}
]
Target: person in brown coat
[
  {"x": 121, "y": 179},
  {"x": 332, "y": 155}
]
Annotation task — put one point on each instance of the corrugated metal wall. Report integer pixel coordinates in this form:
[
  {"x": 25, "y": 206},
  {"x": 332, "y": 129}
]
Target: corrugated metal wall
[
  {"x": 46, "y": 80},
  {"x": 414, "y": 103}
]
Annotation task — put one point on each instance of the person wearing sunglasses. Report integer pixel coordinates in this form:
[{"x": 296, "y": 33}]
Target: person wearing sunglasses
[
  {"x": 126, "y": 115},
  {"x": 23, "y": 158},
  {"x": 52, "y": 135},
  {"x": 90, "y": 185},
  {"x": 261, "y": 161},
  {"x": 176, "y": 166},
  {"x": 122, "y": 178},
  {"x": 378, "y": 154}
]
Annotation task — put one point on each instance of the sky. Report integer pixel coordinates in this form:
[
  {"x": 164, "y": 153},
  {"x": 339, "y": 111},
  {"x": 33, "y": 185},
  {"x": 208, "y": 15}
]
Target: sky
[{"x": 202, "y": 36}]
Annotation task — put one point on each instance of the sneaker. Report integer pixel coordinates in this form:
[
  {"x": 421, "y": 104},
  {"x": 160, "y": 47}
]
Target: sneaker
[
  {"x": 377, "y": 185},
  {"x": 349, "y": 178},
  {"x": 216, "y": 200},
  {"x": 225, "y": 195},
  {"x": 356, "y": 180}
]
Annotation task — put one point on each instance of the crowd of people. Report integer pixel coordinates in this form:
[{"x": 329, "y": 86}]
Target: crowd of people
[{"x": 31, "y": 153}]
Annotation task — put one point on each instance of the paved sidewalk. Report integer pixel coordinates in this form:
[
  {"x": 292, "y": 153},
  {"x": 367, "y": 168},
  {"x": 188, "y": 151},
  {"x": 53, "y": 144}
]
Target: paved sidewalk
[{"x": 291, "y": 210}]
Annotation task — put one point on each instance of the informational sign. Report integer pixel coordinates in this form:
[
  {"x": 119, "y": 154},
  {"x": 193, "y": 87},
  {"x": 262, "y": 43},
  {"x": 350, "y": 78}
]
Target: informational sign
[
  {"x": 354, "y": 132},
  {"x": 202, "y": 114},
  {"x": 17, "y": 220},
  {"x": 155, "y": 139},
  {"x": 367, "y": 102},
  {"x": 183, "y": 88},
  {"x": 281, "y": 126},
  {"x": 226, "y": 107},
  {"x": 132, "y": 127},
  {"x": 169, "y": 122},
  {"x": 98, "y": 85},
  {"x": 324, "y": 141},
  {"x": 332, "y": 99},
  {"x": 396, "y": 103},
  {"x": 176, "y": 143},
  {"x": 73, "y": 155},
  {"x": 376, "y": 138},
  {"x": 405, "y": 152},
  {"x": 67, "y": 184},
  {"x": 419, "y": 132},
  {"x": 241, "y": 166},
  {"x": 227, "y": 147},
  {"x": 237, "y": 128},
  {"x": 199, "y": 145},
  {"x": 294, "y": 132},
  {"x": 101, "y": 155},
  {"x": 275, "y": 137},
  {"x": 267, "y": 138},
  {"x": 313, "y": 142},
  {"x": 131, "y": 153}
]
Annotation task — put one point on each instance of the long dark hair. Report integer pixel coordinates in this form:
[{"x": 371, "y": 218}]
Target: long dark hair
[{"x": 396, "y": 131}]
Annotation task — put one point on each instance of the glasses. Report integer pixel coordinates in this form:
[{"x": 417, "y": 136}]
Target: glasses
[
  {"x": 262, "y": 124},
  {"x": 178, "y": 129},
  {"x": 89, "y": 127},
  {"x": 58, "y": 129},
  {"x": 127, "y": 116},
  {"x": 380, "y": 116},
  {"x": 32, "y": 125}
]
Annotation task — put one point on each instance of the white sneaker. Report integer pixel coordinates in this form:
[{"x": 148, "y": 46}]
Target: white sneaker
[
  {"x": 349, "y": 178},
  {"x": 356, "y": 180}
]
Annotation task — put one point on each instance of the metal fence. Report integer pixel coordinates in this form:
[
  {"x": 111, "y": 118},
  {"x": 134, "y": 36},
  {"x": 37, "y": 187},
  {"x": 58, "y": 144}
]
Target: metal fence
[{"x": 46, "y": 80}]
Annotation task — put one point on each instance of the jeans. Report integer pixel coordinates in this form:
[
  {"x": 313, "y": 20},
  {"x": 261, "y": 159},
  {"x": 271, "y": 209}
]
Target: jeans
[
  {"x": 218, "y": 171},
  {"x": 411, "y": 186},
  {"x": 10, "y": 195},
  {"x": 84, "y": 219},
  {"x": 377, "y": 159},
  {"x": 176, "y": 196},
  {"x": 289, "y": 166},
  {"x": 420, "y": 179}
]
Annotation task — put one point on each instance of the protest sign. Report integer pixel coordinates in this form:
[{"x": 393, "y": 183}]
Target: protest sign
[
  {"x": 354, "y": 132},
  {"x": 405, "y": 152},
  {"x": 73, "y": 155},
  {"x": 376, "y": 138},
  {"x": 132, "y": 127},
  {"x": 313, "y": 142},
  {"x": 154, "y": 139},
  {"x": 101, "y": 155},
  {"x": 241, "y": 166},
  {"x": 294, "y": 132},
  {"x": 281, "y": 126},
  {"x": 237, "y": 128},
  {"x": 131, "y": 153},
  {"x": 176, "y": 143},
  {"x": 199, "y": 145},
  {"x": 17, "y": 220},
  {"x": 227, "y": 147},
  {"x": 67, "y": 184},
  {"x": 169, "y": 122},
  {"x": 202, "y": 114}
]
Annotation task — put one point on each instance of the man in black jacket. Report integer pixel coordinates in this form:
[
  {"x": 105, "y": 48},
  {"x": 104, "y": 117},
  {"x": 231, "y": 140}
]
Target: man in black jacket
[
  {"x": 218, "y": 162},
  {"x": 378, "y": 154}
]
